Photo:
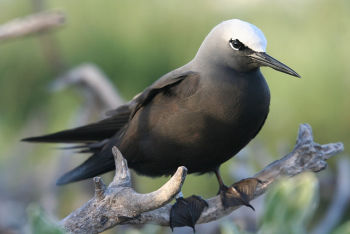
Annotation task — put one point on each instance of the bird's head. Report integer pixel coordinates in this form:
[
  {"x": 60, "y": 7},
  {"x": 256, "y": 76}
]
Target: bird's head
[{"x": 241, "y": 46}]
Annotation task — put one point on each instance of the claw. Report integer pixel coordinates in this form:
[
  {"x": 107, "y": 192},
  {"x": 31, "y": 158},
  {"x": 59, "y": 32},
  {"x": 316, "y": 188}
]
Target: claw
[
  {"x": 239, "y": 193},
  {"x": 186, "y": 211}
]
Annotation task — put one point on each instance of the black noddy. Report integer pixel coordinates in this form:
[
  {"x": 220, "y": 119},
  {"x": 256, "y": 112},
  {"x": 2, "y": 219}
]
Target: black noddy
[{"x": 197, "y": 116}]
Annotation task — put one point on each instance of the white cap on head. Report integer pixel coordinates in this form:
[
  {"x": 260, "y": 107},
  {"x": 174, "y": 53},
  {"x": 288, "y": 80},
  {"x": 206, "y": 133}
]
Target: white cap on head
[{"x": 247, "y": 33}]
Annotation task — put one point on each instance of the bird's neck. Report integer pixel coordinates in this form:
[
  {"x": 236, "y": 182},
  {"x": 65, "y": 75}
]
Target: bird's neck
[
  {"x": 206, "y": 59},
  {"x": 213, "y": 67}
]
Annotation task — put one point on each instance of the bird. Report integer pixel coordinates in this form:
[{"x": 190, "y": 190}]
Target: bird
[{"x": 199, "y": 116}]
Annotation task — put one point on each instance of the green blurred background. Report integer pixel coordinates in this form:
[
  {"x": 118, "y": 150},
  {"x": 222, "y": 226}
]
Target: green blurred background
[{"x": 134, "y": 43}]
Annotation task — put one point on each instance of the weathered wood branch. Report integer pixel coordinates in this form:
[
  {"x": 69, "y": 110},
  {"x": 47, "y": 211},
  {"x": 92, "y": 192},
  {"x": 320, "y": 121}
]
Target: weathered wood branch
[
  {"x": 120, "y": 204},
  {"x": 36, "y": 23}
]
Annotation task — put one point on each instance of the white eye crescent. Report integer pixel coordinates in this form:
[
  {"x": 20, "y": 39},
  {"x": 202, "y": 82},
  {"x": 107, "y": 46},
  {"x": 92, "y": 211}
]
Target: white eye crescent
[{"x": 236, "y": 44}]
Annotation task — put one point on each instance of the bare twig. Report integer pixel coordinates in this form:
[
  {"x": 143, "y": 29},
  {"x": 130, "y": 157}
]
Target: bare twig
[
  {"x": 32, "y": 24},
  {"x": 120, "y": 204}
]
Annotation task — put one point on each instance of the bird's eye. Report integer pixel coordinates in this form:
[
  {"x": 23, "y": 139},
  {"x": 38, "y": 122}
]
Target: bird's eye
[{"x": 236, "y": 44}]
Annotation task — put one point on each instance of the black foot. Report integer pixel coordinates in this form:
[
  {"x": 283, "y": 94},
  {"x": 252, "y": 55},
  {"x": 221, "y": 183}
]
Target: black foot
[
  {"x": 239, "y": 193},
  {"x": 186, "y": 211}
]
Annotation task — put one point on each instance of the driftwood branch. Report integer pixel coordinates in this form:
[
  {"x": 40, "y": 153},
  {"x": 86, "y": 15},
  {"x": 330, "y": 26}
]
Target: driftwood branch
[
  {"x": 120, "y": 204},
  {"x": 36, "y": 23}
]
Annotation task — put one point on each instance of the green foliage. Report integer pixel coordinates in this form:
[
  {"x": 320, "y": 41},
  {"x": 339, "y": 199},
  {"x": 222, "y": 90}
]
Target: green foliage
[
  {"x": 227, "y": 227},
  {"x": 40, "y": 223},
  {"x": 343, "y": 229},
  {"x": 290, "y": 204}
]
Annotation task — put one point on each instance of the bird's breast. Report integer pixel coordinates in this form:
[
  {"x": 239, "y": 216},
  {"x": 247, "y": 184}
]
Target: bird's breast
[{"x": 235, "y": 100}]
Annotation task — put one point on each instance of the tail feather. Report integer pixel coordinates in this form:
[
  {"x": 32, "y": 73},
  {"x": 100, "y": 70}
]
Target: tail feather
[
  {"x": 88, "y": 133},
  {"x": 96, "y": 138},
  {"x": 97, "y": 164},
  {"x": 87, "y": 147}
]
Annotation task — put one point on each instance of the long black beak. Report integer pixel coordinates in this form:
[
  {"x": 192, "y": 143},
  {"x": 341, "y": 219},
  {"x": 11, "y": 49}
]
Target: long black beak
[{"x": 266, "y": 60}]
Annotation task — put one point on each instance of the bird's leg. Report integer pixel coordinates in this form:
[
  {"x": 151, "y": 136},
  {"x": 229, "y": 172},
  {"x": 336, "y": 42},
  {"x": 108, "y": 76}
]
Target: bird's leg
[
  {"x": 222, "y": 186},
  {"x": 239, "y": 193},
  {"x": 186, "y": 211}
]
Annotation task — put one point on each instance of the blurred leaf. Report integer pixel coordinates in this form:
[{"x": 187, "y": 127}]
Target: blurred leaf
[
  {"x": 229, "y": 227},
  {"x": 343, "y": 229},
  {"x": 290, "y": 204},
  {"x": 40, "y": 223}
]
